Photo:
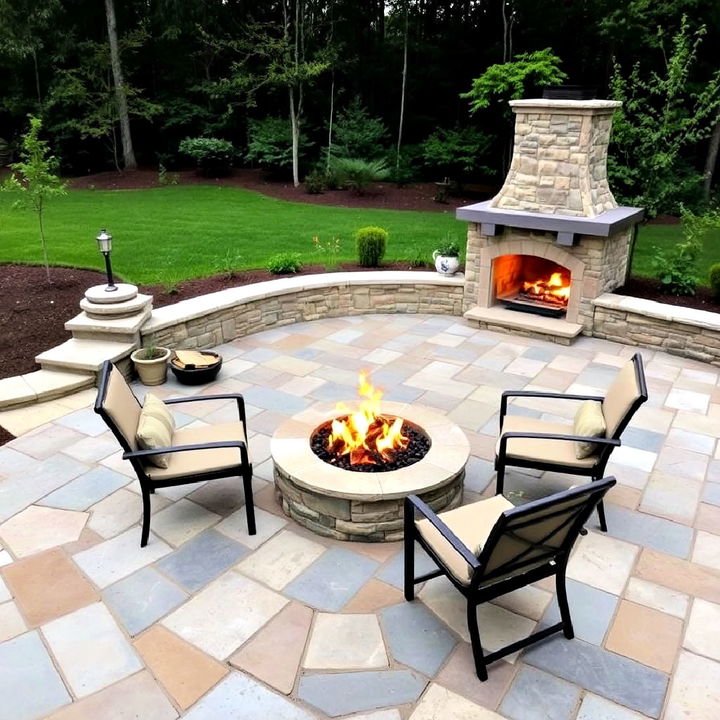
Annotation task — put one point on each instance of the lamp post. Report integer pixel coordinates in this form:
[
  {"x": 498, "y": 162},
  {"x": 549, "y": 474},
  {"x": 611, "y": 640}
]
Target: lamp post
[{"x": 104, "y": 241}]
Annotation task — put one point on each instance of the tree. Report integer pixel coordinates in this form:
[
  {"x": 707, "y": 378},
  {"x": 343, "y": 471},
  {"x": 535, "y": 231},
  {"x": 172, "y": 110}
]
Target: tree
[
  {"x": 120, "y": 92},
  {"x": 37, "y": 181}
]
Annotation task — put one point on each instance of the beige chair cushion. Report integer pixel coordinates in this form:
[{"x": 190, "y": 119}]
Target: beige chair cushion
[
  {"x": 155, "y": 407},
  {"x": 589, "y": 422},
  {"x": 193, "y": 462},
  {"x": 621, "y": 394},
  {"x": 557, "y": 452},
  {"x": 154, "y": 432},
  {"x": 472, "y": 525},
  {"x": 122, "y": 407}
]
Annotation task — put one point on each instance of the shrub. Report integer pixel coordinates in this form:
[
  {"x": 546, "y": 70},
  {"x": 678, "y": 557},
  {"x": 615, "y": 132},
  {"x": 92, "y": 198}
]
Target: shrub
[
  {"x": 370, "y": 242},
  {"x": 457, "y": 152},
  {"x": 328, "y": 250},
  {"x": 417, "y": 257},
  {"x": 714, "y": 274},
  {"x": 270, "y": 143},
  {"x": 284, "y": 263},
  {"x": 314, "y": 183},
  {"x": 213, "y": 156},
  {"x": 358, "y": 134},
  {"x": 357, "y": 174}
]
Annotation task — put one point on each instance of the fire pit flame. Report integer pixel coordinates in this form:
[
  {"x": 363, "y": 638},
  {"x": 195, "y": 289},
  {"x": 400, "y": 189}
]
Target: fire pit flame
[
  {"x": 366, "y": 436},
  {"x": 555, "y": 289}
]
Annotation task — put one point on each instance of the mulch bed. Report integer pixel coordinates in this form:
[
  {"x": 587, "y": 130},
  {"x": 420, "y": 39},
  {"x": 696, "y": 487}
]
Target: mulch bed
[{"x": 653, "y": 290}]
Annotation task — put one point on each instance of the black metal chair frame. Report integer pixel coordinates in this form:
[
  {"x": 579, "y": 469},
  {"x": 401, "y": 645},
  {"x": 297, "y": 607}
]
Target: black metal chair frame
[
  {"x": 523, "y": 571},
  {"x": 596, "y": 471},
  {"x": 148, "y": 485}
]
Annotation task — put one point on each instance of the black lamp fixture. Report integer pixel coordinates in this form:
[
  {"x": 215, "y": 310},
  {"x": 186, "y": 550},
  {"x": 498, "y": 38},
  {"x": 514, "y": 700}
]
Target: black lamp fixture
[{"x": 104, "y": 241}]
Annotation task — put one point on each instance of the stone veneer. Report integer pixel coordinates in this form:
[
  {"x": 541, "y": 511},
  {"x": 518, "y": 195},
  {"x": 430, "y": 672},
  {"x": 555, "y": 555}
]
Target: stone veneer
[
  {"x": 229, "y": 314},
  {"x": 559, "y": 158},
  {"x": 361, "y": 506}
]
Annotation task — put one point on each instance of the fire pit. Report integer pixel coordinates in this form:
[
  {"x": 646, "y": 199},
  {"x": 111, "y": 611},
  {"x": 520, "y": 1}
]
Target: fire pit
[{"x": 341, "y": 486}]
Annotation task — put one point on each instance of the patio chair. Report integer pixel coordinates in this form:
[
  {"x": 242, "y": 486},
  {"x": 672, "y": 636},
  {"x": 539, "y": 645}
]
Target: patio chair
[
  {"x": 194, "y": 454},
  {"x": 490, "y": 548},
  {"x": 546, "y": 445}
]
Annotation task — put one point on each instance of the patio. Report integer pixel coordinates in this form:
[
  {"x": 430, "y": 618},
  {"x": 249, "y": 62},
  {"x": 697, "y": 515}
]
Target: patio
[{"x": 210, "y": 622}]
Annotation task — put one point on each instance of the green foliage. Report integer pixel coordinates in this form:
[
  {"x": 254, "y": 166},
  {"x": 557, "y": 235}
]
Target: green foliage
[
  {"x": 229, "y": 263},
  {"x": 417, "y": 257},
  {"x": 663, "y": 117},
  {"x": 448, "y": 248},
  {"x": 213, "y": 156},
  {"x": 270, "y": 143},
  {"x": 314, "y": 182},
  {"x": 370, "y": 242},
  {"x": 406, "y": 171},
  {"x": 37, "y": 180},
  {"x": 165, "y": 178},
  {"x": 357, "y": 174},
  {"x": 284, "y": 263},
  {"x": 328, "y": 250},
  {"x": 714, "y": 276},
  {"x": 510, "y": 80},
  {"x": 677, "y": 267},
  {"x": 457, "y": 151},
  {"x": 356, "y": 134}
]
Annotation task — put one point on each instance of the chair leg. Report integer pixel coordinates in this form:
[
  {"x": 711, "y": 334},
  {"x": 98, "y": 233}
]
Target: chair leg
[
  {"x": 409, "y": 560},
  {"x": 568, "y": 630},
  {"x": 249, "y": 503},
  {"x": 477, "y": 651},
  {"x": 500, "y": 480},
  {"x": 146, "y": 517},
  {"x": 601, "y": 516}
]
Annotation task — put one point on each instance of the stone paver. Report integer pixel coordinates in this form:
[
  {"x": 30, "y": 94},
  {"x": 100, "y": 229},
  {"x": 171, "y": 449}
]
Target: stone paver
[{"x": 204, "y": 593}]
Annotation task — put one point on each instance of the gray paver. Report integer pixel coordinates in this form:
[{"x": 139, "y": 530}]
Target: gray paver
[
  {"x": 26, "y": 664},
  {"x": 478, "y": 474},
  {"x": 535, "y": 695},
  {"x": 643, "y": 439},
  {"x": 202, "y": 559},
  {"x": 86, "y": 490},
  {"x": 591, "y": 610},
  {"x": 239, "y": 697},
  {"x": 86, "y": 421},
  {"x": 597, "y": 708},
  {"x": 612, "y": 676},
  {"x": 332, "y": 579},
  {"x": 416, "y": 637},
  {"x": 271, "y": 399},
  {"x": 711, "y": 493},
  {"x": 343, "y": 693},
  {"x": 142, "y": 598},
  {"x": 392, "y": 572},
  {"x": 650, "y": 531}
]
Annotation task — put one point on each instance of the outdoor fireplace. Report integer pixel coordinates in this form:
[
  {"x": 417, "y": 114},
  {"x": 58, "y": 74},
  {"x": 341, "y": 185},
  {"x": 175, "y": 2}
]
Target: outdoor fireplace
[
  {"x": 555, "y": 218},
  {"x": 335, "y": 478}
]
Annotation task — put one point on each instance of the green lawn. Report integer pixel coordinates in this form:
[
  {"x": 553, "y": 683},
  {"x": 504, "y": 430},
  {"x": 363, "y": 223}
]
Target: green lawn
[{"x": 165, "y": 235}]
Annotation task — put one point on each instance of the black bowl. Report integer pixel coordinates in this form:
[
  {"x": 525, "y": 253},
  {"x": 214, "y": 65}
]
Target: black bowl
[{"x": 191, "y": 375}]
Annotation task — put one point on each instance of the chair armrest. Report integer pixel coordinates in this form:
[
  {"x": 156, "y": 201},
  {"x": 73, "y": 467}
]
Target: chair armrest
[
  {"x": 610, "y": 442},
  {"x": 413, "y": 502},
  {"x": 540, "y": 394},
  {"x": 223, "y": 396},
  {"x": 140, "y": 454}
]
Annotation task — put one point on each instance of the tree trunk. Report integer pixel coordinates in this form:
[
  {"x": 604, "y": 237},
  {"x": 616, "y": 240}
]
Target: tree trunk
[
  {"x": 120, "y": 95},
  {"x": 37, "y": 78},
  {"x": 711, "y": 159},
  {"x": 295, "y": 137},
  {"x": 330, "y": 123},
  {"x": 402, "y": 93}
]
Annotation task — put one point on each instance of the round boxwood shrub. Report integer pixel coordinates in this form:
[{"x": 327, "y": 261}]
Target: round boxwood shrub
[
  {"x": 714, "y": 274},
  {"x": 370, "y": 242}
]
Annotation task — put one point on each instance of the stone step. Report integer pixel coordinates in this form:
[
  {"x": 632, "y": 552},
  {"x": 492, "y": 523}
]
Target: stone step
[
  {"x": 124, "y": 329},
  {"x": 555, "y": 328},
  {"x": 76, "y": 355},
  {"x": 118, "y": 309},
  {"x": 41, "y": 385}
]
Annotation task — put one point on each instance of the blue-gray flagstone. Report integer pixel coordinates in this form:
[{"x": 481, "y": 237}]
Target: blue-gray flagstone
[
  {"x": 643, "y": 439},
  {"x": 711, "y": 493},
  {"x": 239, "y": 697},
  {"x": 392, "y": 573},
  {"x": 650, "y": 531},
  {"x": 544, "y": 354},
  {"x": 271, "y": 399},
  {"x": 416, "y": 637},
  {"x": 343, "y": 693},
  {"x": 591, "y": 610},
  {"x": 535, "y": 695},
  {"x": 615, "y": 677},
  {"x": 142, "y": 598},
  {"x": 30, "y": 687},
  {"x": 202, "y": 559},
  {"x": 478, "y": 473},
  {"x": 332, "y": 579},
  {"x": 86, "y": 421},
  {"x": 86, "y": 490}
]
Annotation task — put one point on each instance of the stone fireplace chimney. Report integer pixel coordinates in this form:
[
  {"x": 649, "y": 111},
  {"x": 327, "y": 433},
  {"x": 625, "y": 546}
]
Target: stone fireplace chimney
[
  {"x": 559, "y": 163},
  {"x": 555, "y": 213}
]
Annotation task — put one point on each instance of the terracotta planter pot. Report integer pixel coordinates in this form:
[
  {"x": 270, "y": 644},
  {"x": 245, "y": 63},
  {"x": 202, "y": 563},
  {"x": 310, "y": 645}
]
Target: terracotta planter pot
[{"x": 154, "y": 371}]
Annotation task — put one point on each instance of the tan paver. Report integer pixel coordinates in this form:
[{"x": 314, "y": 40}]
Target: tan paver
[
  {"x": 11, "y": 622},
  {"x": 439, "y": 702},
  {"x": 603, "y": 562},
  {"x": 694, "y": 690},
  {"x": 373, "y": 596},
  {"x": 185, "y": 672},
  {"x": 702, "y": 635},
  {"x": 40, "y": 528},
  {"x": 707, "y": 550},
  {"x": 678, "y": 574},
  {"x": 182, "y": 521}
]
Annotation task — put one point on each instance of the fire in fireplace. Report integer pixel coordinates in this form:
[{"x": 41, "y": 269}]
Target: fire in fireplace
[
  {"x": 531, "y": 284},
  {"x": 366, "y": 440}
]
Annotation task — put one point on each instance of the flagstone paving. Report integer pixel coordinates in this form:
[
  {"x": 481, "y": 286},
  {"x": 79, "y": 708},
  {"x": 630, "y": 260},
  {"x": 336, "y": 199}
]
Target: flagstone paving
[{"x": 208, "y": 622}]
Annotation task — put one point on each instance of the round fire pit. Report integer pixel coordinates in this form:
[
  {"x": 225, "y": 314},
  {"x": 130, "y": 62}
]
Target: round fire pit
[{"x": 365, "y": 506}]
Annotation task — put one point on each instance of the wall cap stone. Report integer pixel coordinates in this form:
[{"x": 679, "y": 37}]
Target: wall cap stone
[{"x": 563, "y": 105}]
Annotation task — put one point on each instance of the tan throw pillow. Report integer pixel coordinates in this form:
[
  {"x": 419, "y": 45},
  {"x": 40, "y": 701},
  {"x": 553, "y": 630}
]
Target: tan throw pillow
[
  {"x": 589, "y": 422},
  {"x": 155, "y": 429}
]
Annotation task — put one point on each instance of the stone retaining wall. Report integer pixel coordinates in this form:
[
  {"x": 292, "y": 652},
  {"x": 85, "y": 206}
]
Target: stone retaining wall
[
  {"x": 224, "y": 316},
  {"x": 676, "y": 330}
]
